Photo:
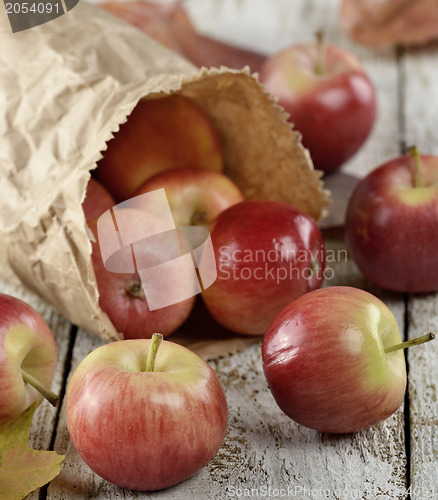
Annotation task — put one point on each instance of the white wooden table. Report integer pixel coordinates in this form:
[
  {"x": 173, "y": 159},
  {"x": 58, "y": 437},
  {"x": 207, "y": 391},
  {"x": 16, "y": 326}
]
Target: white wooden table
[{"x": 265, "y": 454}]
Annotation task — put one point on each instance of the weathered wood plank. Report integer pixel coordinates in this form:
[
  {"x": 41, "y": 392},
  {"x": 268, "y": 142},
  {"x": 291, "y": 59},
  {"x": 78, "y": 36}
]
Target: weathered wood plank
[
  {"x": 423, "y": 407},
  {"x": 45, "y": 416},
  {"x": 420, "y": 110},
  {"x": 420, "y": 73},
  {"x": 76, "y": 481}
]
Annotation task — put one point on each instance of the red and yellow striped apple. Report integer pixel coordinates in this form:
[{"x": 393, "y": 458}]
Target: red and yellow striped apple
[
  {"x": 333, "y": 360},
  {"x": 27, "y": 357},
  {"x": 330, "y": 99},
  {"x": 144, "y": 423},
  {"x": 121, "y": 294},
  {"x": 392, "y": 224}
]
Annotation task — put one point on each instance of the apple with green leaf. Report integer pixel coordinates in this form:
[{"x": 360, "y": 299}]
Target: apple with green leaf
[
  {"x": 145, "y": 415},
  {"x": 391, "y": 224},
  {"x": 27, "y": 357},
  {"x": 334, "y": 361},
  {"x": 330, "y": 99}
]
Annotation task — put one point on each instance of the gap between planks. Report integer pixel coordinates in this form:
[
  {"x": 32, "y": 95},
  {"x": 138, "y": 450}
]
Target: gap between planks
[{"x": 63, "y": 389}]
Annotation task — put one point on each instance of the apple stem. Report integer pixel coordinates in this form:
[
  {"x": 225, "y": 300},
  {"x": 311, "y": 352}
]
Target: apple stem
[
  {"x": 199, "y": 218},
  {"x": 418, "y": 178},
  {"x": 51, "y": 397},
  {"x": 313, "y": 267},
  {"x": 135, "y": 290},
  {"x": 320, "y": 59},
  {"x": 410, "y": 343},
  {"x": 154, "y": 345}
]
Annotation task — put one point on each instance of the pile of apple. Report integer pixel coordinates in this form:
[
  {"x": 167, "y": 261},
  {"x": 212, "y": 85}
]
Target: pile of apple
[
  {"x": 391, "y": 232},
  {"x": 312, "y": 337},
  {"x": 270, "y": 259},
  {"x": 177, "y": 414},
  {"x": 171, "y": 143}
]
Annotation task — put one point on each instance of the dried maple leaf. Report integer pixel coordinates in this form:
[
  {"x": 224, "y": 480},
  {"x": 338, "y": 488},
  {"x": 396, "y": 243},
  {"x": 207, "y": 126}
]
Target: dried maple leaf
[
  {"x": 23, "y": 469},
  {"x": 377, "y": 22},
  {"x": 169, "y": 24}
]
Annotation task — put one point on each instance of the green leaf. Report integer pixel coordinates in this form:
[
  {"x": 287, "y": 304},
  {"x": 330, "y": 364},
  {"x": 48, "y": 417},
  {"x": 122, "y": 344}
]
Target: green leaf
[{"x": 23, "y": 469}]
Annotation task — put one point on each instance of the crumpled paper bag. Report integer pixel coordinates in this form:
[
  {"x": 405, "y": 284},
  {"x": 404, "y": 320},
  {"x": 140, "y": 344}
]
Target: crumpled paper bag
[{"x": 65, "y": 87}]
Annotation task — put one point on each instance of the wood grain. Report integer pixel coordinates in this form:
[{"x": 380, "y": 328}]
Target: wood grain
[
  {"x": 420, "y": 73},
  {"x": 423, "y": 407}
]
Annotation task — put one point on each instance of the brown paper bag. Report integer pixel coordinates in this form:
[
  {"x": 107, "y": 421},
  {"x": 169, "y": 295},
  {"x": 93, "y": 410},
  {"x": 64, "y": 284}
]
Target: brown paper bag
[{"x": 65, "y": 87}]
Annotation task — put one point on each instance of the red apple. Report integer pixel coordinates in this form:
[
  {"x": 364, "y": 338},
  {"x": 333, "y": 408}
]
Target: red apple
[
  {"x": 196, "y": 196},
  {"x": 392, "y": 221},
  {"x": 160, "y": 134},
  {"x": 329, "y": 363},
  {"x": 267, "y": 253},
  {"x": 330, "y": 99},
  {"x": 27, "y": 357},
  {"x": 121, "y": 288},
  {"x": 141, "y": 423},
  {"x": 97, "y": 200}
]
